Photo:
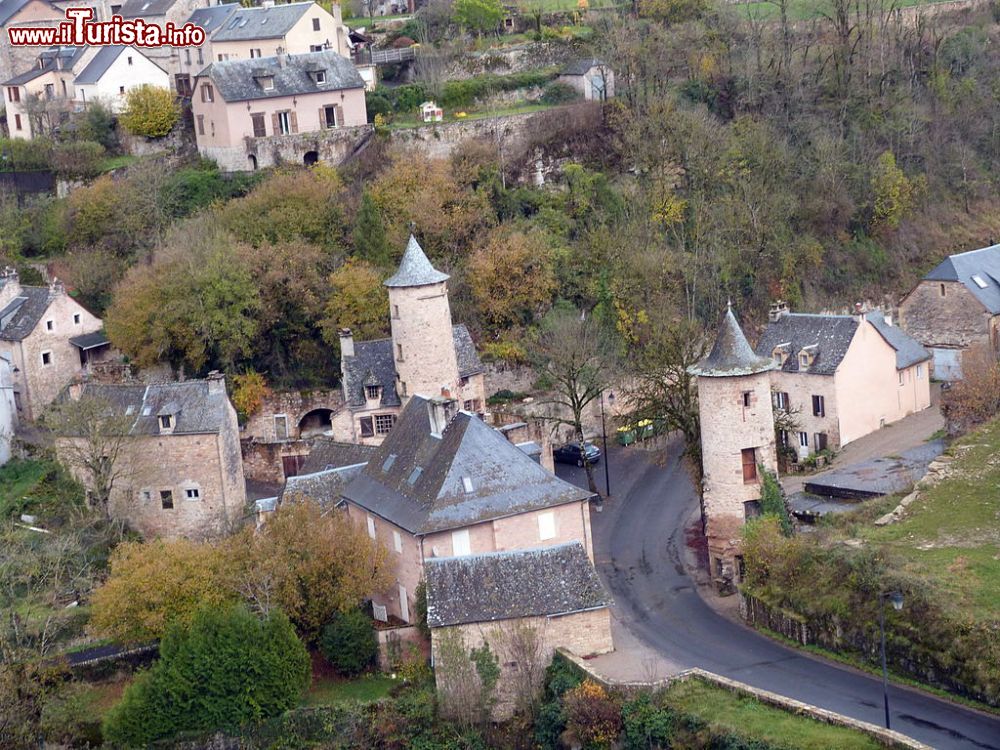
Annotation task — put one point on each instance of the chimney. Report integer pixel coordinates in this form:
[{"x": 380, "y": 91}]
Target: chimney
[
  {"x": 346, "y": 342},
  {"x": 216, "y": 382},
  {"x": 859, "y": 312},
  {"x": 281, "y": 57},
  {"x": 777, "y": 309},
  {"x": 56, "y": 287},
  {"x": 439, "y": 412}
]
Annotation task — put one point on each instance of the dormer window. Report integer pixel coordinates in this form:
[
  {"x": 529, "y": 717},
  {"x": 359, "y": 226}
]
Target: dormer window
[
  {"x": 320, "y": 76},
  {"x": 780, "y": 353},
  {"x": 166, "y": 422},
  {"x": 266, "y": 82},
  {"x": 807, "y": 355},
  {"x": 373, "y": 392}
]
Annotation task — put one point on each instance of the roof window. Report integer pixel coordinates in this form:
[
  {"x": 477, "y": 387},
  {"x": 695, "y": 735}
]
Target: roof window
[
  {"x": 467, "y": 484},
  {"x": 389, "y": 461},
  {"x": 414, "y": 475},
  {"x": 980, "y": 282}
]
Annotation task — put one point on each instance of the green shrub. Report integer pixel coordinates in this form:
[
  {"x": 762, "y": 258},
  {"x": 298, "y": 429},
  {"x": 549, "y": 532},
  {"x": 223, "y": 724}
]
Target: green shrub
[
  {"x": 348, "y": 643},
  {"x": 228, "y": 669},
  {"x": 646, "y": 724},
  {"x": 464, "y": 92},
  {"x": 98, "y": 124},
  {"x": 558, "y": 92},
  {"x": 20, "y": 155},
  {"x": 192, "y": 188},
  {"x": 772, "y": 500},
  {"x": 68, "y": 718},
  {"x": 377, "y": 104},
  {"x": 78, "y": 160}
]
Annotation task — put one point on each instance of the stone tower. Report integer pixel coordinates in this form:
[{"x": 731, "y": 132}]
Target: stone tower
[
  {"x": 737, "y": 438},
  {"x": 423, "y": 344}
]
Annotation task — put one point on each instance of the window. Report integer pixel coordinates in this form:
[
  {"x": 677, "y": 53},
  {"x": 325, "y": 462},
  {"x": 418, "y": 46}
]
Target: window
[
  {"x": 942, "y": 290},
  {"x": 384, "y": 423},
  {"x": 399, "y": 352},
  {"x": 201, "y": 124},
  {"x": 187, "y": 56},
  {"x": 315, "y": 24},
  {"x": 467, "y": 485},
  {"x": 751, "y": 509},
  {"x": 254, "y": 53},
  {"x": 315, "y": 47},
  {"x": 259, "y": 130},
  {"x": 820, "y": 441},
  {"x": 780, "y": 400},
  {"x": 76, "y": 319},
  {"x": 332, "y": 120},
  {"x": 207, "y": 92},
  {"x": 284, "y": 119},
  {"x": 901, "y": 375},
  {"x": 145, "y": 496},
  {"x": 460, "y": 543},
  {"x": 167, "y": 499},
  {"x": 366, "y": 426},
  {"x": 546, "y": 526},
  {"x": 201, "y": 57},
  {"x": 920, "y": 372},
  {"x": 267, "y": 83},
  {"x": 819, "y": 406},
  {"x": 746, "y": 398},
  {"x": 50, "y": 325},
  {"x": 397, "y": 542},
  {"x": 402, "y": 387},
  {"x": 804, "y": 439},
  {"x": 803, "y": 361},
  {"x": 17, "y": 122},
  {"x": 121, "y": 91},
  {"x": 13, "y": 94},
  {"x": 130, "y": 59},
  {"x": 50, "y": 90},
  {"x": 371, "y": 527},
  {"x": 320, "y": 76},
  {"x": 395, "y": 311},
  {"x": 749, "y": 456},
  {"x": 192, "y": 493},
  {"x": 166, "y": 421},
  {"x": 372, "y": 392},
  {"x": 783, "y": 438},
  {"x": 46, "y": 358},
  {"x": 281, "y": 426}
]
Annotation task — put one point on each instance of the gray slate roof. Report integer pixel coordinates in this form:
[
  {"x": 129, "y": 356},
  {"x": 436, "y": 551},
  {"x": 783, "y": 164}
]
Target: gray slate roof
[
  {"x": 47, "y": 61},
  {"x": 376, "y": 358},
  {"x": 9, "y": 7},
  {"x": 505, "y": 481},
  {"x": 90, "y": 340},
  {"x": 731, "y": 355},
  {"x": 496, "y": 586},
  {"x": 103, "y": 60},
  {"x": 261, "y": 23},
  {"x": 194, "y": 408},
  {"x": 236, "y": 80},
  {"x": 415, "y": 269},
  {"x": 210, "y": 19},
  {"x": 145, "y": 8},
  {"x": 329, "y": 454},
  {"x": 984, "y": 263},
  {"x": 908, "y": 350},
  {"x": 580, "y": 67},
  {"x": 830, "y": 334},
  {"x": 19, "y": 318},
  {"x": 323, "y": 487}
]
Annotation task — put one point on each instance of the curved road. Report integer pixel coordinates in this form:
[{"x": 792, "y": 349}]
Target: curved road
[{"x": 639, "y": 544}]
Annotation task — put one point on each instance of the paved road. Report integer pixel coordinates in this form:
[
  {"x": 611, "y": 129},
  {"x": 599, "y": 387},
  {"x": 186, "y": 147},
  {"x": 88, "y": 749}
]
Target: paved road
[{"x": 639, "y": 544}]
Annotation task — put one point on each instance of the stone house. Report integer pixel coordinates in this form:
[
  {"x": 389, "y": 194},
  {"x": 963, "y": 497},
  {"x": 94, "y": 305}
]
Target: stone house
[
  {"x": 41, "y": 97},
  {"x": 113, "y": 72},
  {"x": 181, "y": 471},
  {"x": 426, "y": 354},
  {"x": 956, "y": 308},
  {"x": 49, "y": 339},
  {"x": 737, "y": 439},
  {"x": 525, "y": 604},
  {"x": 161, "y": 12},
  {"x": 192, "y": 60},
  {"x": 841, "y": 377},
  {"x": 244, "y": 109},
  {"x": 8, "y": 411},
  {"x": 592, "y": 78}
]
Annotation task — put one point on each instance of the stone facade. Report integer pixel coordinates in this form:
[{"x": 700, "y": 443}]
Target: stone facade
[{"x": 584, "y": 634}]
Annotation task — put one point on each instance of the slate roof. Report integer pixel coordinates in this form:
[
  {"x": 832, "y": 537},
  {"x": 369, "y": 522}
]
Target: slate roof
[
  {"x": 580, "y": 67},
  {"x": 9, "y": 7},
  {"x": 236, "y": 80},
  {"x": 47, "y": 62},
  {"x": 830, "y": 334},
  {"x": 323, "y": 487},
  {"x": 376, "y": 358},
  {"x": 261, "y": 23},
  {"x": 984, "y": 263},
  {"x": 329, "y": 454},
  {"x": 145, "y": 8},
  {"x": 908, "y": 350},
  {"x": 415, "y": 269},
  {"x": 495, "y": 586},
  {"x": 731, "y": 355},
  {"x": 90, "y": 340},
  {"x": 504, "y": 480},
  {"x": 210, "y": 19},
  {"x": 196, "y": 410},
  {"x": 19, "y": 318},
  {"x": 100, "y": 63}
]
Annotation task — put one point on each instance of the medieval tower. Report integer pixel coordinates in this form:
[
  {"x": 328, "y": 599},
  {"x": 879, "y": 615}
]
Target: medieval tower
[
  {"x": 423, "y": 345},
  {"x": 737, "y": 439}
]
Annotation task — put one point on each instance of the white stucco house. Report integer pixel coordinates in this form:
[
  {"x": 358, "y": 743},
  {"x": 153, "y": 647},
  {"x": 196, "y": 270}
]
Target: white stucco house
[{"x": 113, "y": 72}]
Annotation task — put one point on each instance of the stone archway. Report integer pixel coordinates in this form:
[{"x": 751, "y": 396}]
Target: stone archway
[
  {"x": 310, "y": 158},
  {"x": 316, "y": 422},
  {"x": 252, "y": 158}
]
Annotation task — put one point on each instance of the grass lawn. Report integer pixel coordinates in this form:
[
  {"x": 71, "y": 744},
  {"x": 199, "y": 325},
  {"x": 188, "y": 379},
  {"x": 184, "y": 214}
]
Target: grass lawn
[
  {"x": 950, "y": 535},
  {"x": 752, "y": 719},
  {"x": 327, "y": 689},
  {"x": 116, "y": 162},
  {"x": 804, "y": 10},
  {"x": 364, "y": 21},
  {"x": 413, "y": 121}
]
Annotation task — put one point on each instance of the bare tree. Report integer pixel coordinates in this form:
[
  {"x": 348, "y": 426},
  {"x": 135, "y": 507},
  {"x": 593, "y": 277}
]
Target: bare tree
[{"x": 520, "y": 647}]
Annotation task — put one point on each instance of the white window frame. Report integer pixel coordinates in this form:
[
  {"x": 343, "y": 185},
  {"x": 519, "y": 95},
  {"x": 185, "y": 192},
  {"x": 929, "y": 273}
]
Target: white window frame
[
  {"x": 379, "y": 426},
  {"x": 284, "y": 121},
  {"x": 195, "y": 496},
  {"x": 902, "y": 377},
  {"x": 460, "y": 543},
  {"x": 803, "y": 439},
  {"x": 546, "y": 526},
  {"x": 371, "y": 527},
  {"x": 920, "y": 372},
  {"x": 397, "y": 542}
]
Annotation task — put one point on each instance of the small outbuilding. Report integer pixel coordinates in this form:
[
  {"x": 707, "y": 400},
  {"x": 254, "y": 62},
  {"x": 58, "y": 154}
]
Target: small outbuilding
[
  {"x": 593, "y": 78},
  {"x": 431, "y": 112}
]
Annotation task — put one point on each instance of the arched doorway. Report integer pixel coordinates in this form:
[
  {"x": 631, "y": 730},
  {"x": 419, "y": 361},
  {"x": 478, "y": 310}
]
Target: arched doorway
[
  {"x": 253, "y": 162},
  {"x": 316, "y": 422},
  {"x": 310, "y": 158}
]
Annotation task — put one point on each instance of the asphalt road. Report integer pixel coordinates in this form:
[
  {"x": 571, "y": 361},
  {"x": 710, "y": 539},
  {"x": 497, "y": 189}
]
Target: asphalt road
[{"x": 639, "y": 545}]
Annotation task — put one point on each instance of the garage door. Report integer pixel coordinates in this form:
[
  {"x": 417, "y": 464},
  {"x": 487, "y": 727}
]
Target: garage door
[{"x": 947, "y": 364}]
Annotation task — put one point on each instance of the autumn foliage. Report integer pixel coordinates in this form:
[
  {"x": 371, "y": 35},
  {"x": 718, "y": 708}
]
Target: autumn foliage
[{"x": 150, "y": 111}]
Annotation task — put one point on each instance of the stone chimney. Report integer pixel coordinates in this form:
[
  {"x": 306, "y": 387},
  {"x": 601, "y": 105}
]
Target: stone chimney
[
  {"x": 859, "y": 312},
  {"x": 777, "y": 309},
  {"x": 439, "y": 412},
  {"x": 346, "y": 342},
  {"x": 56, "y": 288},
  {"x": 216, "y": 382},
  {"x": 281, "y": 57}
]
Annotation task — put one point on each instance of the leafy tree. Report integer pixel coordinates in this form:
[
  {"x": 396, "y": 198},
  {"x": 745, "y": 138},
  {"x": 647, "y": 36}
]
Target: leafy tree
[
  {"x": 78, "y": 159},
  {"x": 893, "y": 191},
  {"x": 672, "y": 11},
  {"x": 357, "y": 301},
  {"x": 98, "y": 124},
  {"x": 369, "y": 239},
  {"x": 577, "y": 357},
  {"x": 156, "y": 584},
  {"x": 227, "y": 669},
  {"x": 645, "y": 724},
  {"x": 976, "y": 397},
  {"x": 150, "y": 111},
  {"x": 248, "y": 393},
  {"x": 480, "y": 16},
  {"x": 593, "y": 718},
  {"x": 348, "y": 642},
  {"x": 25, "y": 688},
  {"x": 309, "y": 564}
]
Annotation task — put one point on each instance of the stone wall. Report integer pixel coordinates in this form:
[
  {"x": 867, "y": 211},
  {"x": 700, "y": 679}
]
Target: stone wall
[
  {"x": 944, "y": 314},
  {"x": 501, "y": 376},
  {"x": 331, "y": 146},
  {"x": 294, "y": 406}
]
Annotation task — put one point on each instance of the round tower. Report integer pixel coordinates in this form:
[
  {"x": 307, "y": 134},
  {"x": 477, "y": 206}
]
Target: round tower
[
  {"x": 737, "y": 440},
  {"x": 423, "y": 344}
]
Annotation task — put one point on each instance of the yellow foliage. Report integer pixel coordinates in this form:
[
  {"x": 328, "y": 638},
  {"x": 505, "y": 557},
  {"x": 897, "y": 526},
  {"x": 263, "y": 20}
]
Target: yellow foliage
[
  {"x": 150, "y": 111},
  {"x": 357, "y": 301},
  {"x": 249, "y": 392}
]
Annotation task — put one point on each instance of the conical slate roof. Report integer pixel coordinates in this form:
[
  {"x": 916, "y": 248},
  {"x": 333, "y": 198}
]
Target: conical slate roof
[
  {"x": 732, "y": 354},
  {"x": 415, "y": 269}
]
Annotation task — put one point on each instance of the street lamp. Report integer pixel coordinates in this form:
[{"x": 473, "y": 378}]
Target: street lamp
[
  {"x": 896, "y": 598},
  {"x": 604, "y": 434}
]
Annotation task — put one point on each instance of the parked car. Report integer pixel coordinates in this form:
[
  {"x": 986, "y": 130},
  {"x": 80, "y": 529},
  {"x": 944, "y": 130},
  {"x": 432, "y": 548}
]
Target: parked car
[{"x": 571, "y": 453}]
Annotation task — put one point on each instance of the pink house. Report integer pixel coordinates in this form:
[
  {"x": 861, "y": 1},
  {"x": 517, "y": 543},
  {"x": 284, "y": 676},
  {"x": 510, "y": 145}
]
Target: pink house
[{"x": 247, "y": 113}]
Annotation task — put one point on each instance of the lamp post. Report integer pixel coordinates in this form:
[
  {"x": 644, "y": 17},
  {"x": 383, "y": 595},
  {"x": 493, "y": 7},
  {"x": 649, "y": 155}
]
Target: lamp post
[
  {"x": 897, "y": 604},
  {"x": 604, "y": 434}
]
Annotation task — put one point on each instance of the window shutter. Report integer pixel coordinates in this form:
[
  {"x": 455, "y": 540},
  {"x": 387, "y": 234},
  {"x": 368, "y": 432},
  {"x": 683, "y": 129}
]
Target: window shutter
[
  {"x": 294, "y": 121},
  {"x": 275, "y": 127},
  {"x": 322, "y": 118}
]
